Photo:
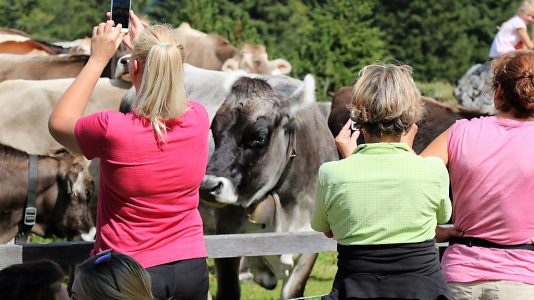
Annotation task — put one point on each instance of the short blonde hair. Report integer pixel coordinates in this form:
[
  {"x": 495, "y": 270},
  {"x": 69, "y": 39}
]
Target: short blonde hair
[
  {"x": 527, "y": 6},
  {"x": 161, "y": 95},
  {"x": 385, "y": 99}
]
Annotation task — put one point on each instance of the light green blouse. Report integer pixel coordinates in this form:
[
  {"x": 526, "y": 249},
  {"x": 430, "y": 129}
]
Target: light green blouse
[{"x": 382, "y": 194}]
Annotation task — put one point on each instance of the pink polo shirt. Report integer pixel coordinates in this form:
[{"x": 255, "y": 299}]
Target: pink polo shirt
[
  {"x": 148, "y": 194},
  {"x": 491, "y": 166}
]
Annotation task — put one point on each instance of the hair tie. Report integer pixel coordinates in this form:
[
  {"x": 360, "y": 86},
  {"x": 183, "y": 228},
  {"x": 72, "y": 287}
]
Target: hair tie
[{"x": 164, "y": 43}]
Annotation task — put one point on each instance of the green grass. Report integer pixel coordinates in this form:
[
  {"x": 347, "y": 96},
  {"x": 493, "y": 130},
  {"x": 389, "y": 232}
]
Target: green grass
[
  {"x": 319, "y": 283},
  {"x": 439, "y": 90}
]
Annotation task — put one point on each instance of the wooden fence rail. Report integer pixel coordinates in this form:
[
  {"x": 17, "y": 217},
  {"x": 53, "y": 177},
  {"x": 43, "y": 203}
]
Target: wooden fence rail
[{"x": 218, "y": 246}]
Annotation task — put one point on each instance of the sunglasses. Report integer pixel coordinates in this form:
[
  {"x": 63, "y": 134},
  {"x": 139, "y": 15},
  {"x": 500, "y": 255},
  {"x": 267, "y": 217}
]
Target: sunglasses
[{"x": 103, "y": 258}]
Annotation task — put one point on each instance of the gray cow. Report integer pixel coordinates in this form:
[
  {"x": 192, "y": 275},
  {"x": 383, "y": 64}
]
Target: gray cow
[{"x": 270, "y": 139}]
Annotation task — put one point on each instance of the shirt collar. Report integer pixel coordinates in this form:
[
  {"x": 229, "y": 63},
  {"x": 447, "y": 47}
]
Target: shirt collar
[{"x": 381, "y": 148}]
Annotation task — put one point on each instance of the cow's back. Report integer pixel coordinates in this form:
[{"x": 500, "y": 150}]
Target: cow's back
[
  {"x": 27, "y": 105},
  {"x": 28, "y": 67}
]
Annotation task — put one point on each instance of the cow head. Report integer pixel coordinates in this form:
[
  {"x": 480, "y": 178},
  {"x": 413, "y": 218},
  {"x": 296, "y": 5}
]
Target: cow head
[
  {"x": 253, "y": 58},
  {"x": 253, "y": 131},
  {"x": 68, "y": 214}
]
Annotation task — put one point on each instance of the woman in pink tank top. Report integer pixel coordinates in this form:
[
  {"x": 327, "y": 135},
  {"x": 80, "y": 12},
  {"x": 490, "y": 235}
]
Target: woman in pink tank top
[{"x": 490, "y": 162}]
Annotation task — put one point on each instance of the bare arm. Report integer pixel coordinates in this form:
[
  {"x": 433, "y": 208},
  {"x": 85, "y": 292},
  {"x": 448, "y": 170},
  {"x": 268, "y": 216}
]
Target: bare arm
[
  {"x": 527, "y": 42},
  {"x": 71, "y": 105},
  {"x": 439, "y": 147}
]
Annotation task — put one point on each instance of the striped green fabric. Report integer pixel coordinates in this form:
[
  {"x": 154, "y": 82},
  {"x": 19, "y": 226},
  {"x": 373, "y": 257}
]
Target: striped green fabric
[{"x": 382, "y": 194}]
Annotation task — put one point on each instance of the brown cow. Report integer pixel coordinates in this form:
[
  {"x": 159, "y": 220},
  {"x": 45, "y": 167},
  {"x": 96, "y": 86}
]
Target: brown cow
[
  {"x": 438, "y": 117},
  {"x": 254, "y": 59},
  {"x": 64, "y": 188},
  {"x": 18, "y": 42},
  {"x": 40, "y": 67},
  {"x": 213, "y": 52},
  {"x": 207, "y": 51}
]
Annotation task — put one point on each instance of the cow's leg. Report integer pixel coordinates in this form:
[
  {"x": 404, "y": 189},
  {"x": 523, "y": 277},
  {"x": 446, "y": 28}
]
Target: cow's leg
[
  {"x": 296, "y": 282},
  {"x": 228, "y": 220},
  {"x": 227, "y": 271}
]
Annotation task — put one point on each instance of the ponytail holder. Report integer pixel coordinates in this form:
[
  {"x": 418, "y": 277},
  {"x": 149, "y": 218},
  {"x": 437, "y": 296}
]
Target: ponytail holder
[{"x": 164, "y": 43}]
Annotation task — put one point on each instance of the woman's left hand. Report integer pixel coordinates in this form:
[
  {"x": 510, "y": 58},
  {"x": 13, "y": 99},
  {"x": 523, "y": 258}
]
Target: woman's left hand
[
  {"x": 105, "y": 41},
  {"x": 346, "y": 141},
  {"x": 444, "y": 234}
]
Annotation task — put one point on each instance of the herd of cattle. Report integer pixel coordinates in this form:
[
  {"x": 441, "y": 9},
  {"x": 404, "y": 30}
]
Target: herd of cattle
[{"x": 269, "y": 136}]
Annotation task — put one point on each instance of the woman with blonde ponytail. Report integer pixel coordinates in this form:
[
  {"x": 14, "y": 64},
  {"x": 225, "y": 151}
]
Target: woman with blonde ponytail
[{"x": 152, "y": 159}]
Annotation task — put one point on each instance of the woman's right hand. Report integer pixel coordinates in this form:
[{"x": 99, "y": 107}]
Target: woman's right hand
[
  {"x": 409, "y": 136},
  {"x": 346, "y": 142}
]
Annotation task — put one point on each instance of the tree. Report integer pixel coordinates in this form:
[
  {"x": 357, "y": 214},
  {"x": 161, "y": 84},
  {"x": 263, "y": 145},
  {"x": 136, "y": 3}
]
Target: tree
[{"x": 441, "y": 39}]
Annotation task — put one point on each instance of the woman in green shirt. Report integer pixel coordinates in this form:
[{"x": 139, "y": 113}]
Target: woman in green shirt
[{"x": 382, "y": 202}]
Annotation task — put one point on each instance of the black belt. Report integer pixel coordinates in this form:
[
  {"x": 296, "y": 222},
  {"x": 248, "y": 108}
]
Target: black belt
[{"x": 473, "y": 241}]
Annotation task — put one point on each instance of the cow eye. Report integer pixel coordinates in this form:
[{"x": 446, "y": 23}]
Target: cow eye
[
  {"x": 256, "y": 136},
  {"x": 258, "y": 140}
]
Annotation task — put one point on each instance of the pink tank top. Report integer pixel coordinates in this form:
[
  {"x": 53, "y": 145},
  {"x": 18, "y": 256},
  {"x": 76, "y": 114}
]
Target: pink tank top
[{"x": 491, "y": 166}]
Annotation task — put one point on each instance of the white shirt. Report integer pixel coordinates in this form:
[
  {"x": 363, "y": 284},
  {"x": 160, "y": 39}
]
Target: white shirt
[{"x": 507, "y": 38}]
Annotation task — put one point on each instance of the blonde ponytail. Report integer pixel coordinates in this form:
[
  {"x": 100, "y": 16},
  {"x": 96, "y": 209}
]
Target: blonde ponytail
[{"x": 161, "y": 95}]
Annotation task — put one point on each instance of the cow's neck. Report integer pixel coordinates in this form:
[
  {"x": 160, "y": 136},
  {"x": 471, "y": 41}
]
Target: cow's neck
[{"x": 263, "y": 212}]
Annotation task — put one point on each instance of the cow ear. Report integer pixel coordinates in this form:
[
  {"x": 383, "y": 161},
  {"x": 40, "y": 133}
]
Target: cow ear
[
  {"x": 230, "y": 65},
  {"x": 64, "y": 165},
  {"x": 303, "y": 97},
  {"x": 232, "y": 77},
  {"x": 279, "y": 66}
]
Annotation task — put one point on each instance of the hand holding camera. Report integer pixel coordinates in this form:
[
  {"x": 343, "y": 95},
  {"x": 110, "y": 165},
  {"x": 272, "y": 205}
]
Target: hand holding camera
[{"x": 346, "y": 140}]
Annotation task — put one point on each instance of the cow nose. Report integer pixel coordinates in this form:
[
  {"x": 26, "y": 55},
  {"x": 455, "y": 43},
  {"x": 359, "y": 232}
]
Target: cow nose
[
  {"x": 218, "y": 189},
  {"x": 124, "y": 61}
]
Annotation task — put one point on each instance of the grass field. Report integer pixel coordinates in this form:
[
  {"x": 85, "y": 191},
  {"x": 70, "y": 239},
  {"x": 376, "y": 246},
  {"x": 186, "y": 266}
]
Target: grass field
[
  {"x": 319, "y": 283},
  {"x": 439, "y": 90}
]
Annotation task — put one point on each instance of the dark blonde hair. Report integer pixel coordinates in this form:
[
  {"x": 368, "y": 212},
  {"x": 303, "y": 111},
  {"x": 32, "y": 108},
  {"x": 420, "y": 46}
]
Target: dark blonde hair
[
  {"x": 514, "y": 74},
  {"x": 161, "y": 95},
  {"x": 119, "y": 277},
  {"x": 385, "y": 100}
]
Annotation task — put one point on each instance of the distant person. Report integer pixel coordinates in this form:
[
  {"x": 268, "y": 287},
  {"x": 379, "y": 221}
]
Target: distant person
[
  {"x": 382, "y": 202},
  {"x": 35, "y": 280},
  {"x": 513, "y": 34},
  {"x": 490, "y": 162},
  {"x": 152, "y": 159},
  {"x": 111, "y": 275}
]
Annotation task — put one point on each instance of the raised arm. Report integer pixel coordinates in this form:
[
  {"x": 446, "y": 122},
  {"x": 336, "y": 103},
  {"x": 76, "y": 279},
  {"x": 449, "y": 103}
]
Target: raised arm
[{"x": 71, "y": 105}]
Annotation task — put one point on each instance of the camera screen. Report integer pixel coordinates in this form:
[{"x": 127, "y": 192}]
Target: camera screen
[{"x": 120, "y": 12}]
